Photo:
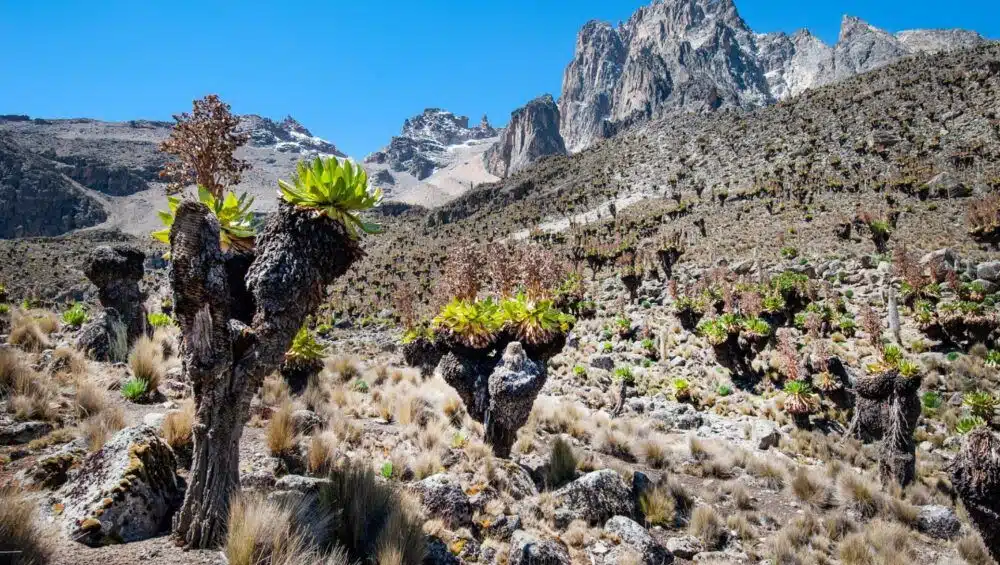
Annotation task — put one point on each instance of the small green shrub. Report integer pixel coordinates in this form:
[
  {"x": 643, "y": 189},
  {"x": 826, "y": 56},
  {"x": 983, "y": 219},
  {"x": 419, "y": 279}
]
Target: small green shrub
[
  {"x": 75, "y": 316},
  {"x": 724, "y": 390},
  {"x": 304, "y": 346},
  {"x": 789, "y": 252},
  {"x": 159, "y": 319},
  {"x": 134, "y": 389},
  {"x": 386, "y": 470},
  {"x": 624, "y": 374},
  {"x": 579, "y": 371}
]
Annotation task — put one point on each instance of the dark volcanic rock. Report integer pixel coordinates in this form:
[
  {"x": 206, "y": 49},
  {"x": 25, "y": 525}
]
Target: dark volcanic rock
[
  {"x": 533, "y": 133},
  {"x": 35, "y": 199}
]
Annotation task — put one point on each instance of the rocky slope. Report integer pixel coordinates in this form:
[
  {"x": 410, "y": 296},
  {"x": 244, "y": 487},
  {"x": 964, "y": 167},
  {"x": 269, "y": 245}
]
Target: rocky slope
[
  {"x": 39, "y": 196},
  {"x": 532, "y": 133},
  {"x": 700, "y": 55}
]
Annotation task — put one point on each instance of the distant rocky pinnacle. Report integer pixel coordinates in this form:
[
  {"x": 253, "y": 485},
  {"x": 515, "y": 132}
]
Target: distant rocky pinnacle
[
  {"x": 288, "y": 136},
  {"x": 699, "y": 55},
  {"x": 420, "y": 147},
  {"x": 533, "y": 132}
]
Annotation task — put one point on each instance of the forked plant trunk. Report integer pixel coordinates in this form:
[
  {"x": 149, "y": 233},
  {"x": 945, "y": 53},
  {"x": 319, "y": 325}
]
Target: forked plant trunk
[
  {"x": 886, "y": 410},
  {"x": 298, "y": 254},
  {"x": 976, "y": 476}
]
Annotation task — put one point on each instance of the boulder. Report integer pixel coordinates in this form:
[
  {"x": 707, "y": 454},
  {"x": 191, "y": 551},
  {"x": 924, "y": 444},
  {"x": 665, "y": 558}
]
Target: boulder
[
  {"x": 305, "y": 421},
  {"x": 442, "y": 497},
  {"x": 635, "y": 538},
  {"x": 17, "y": 433},
  {"x": 938, "y": 522},
  {"x": 126, "y": 491},
  {"x": 594, "y": 498},
  {"x": 53, "y": 470},
  {"x": 602, "y": 362},
  {"x": 940, "y": 262},
  {"x": 116, "y": 272},
  {"x": 945, "y": 185},
  {"x": 989, "y": 270},
  {"x": 685, "y": 547},
  {"x": 529, "y": 549},
  {"x": 764, "y": 434}
]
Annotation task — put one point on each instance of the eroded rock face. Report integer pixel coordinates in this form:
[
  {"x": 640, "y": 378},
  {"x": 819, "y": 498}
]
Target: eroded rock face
[
  {"x": 36, "y": 200},
  {"x": 532, "y": 133},
  {"x": 116, "y": 272},
  {"x": 700, "y": 55},
  {"x": 442, "y": 497},
  {"x": 636, "y": 539},
  {"x": 126, "y": 491}
]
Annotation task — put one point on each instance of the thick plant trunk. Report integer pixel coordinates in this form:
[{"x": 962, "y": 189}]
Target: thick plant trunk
[
  {"x": 298, "y": 254},
  {"x": 886, "y": 410},
  {"x": 976, "y": 476}
]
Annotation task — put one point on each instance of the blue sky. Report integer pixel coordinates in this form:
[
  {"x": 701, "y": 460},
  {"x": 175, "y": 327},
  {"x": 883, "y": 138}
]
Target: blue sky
[{"x": 349, "y": 71}]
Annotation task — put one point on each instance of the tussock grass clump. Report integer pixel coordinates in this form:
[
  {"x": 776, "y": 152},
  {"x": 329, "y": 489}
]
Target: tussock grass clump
[
  {"x": 68, "y": 362},
  {"x": 30, "y": 395},
  {"x": 262, "y": 532},
  {"x": 280, "y": 435},
  {"x": 880, "y": 542},
  {"x": 658, "y": 506},
  {"x": 322, "y": 448},
  {"x": 562, "y": 464},
  {"x": 811, "y": 489},
  {"x": 178, "y": 425},
  {"x": 89, "y": 400},
  {"x": 654, "y": 453},
  {"x": 374, "y": 520},
  {"x": 345, "y": 368},
  {"x": 708, "y": 527},
  {"x": 99, "y": 428},
  {"x": 27, "y": 334},
  {"x": 146, "y": 363},
  {"x": 23, "y": 539},
  {"x": 614, "y": 443},
  {"x": 972, "y": 550}
]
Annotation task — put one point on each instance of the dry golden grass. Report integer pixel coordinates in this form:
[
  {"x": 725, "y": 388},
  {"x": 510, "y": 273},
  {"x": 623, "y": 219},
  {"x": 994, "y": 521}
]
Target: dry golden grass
[
  {"x": 24, "y": 540},
  {"x": 264, "y": 533},
  {"x": 322, "y": 449},
  {"x": 860, "y": 494},
  {"x": 577, "y": 534},
  {"x": 654, "y": 452},
  {"x": 454, "y": 410},
  {"x": 344, "y": 368},
  {"x": 614, "y": 443},
  {"x": 28, "y": 335},
  {"x": 275, "y": 390},
  {"x": 280, "y": 434},
  {"x": 770, "y": 474},
  {"x": 31, "y": 395},
  {"x": 658, "y": 506},
  {"x": 743, "y": 525},
  {"x": 880, "y": 543},
  {"x": 425, "y": 465},
  {"x": 146, "y": 363},
  {"x": 811, "y": 489},
  {"x": 47, "y": 321},
  {"x": 70, "y": 363},
  {"x": 99, "y": 428},
  {"x": 706, "y": 525},
  {"x": 562, "y": 464},
  {"x": 971, "y": 548},
  {"x": 178, "y": 425},
  {"x": 90, "y": 399}
]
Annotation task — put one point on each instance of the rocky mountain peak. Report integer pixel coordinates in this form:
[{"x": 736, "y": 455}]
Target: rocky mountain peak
[
  {"x": 288, "y": 136},
  {"x": 700, "y": 55},
  {"x": 422, "y": 145},
  {"x": 532, "y": 133}
]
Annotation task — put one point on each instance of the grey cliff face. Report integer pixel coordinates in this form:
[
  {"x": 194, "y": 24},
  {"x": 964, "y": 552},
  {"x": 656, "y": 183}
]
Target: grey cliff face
[
  {"x": 699, "y": 55},
  {"x": 533, "y": 132},
  {"x": 421, "y": 146}
]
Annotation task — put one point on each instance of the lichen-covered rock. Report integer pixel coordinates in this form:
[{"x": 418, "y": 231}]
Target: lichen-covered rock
[
  {"x": 594, "y": 498},
  {"x": 938, "y": 521},
  {"x": 635, "y": 538},
  {"x": 685, "y": 547},
  {"x": 53, "y": 470},
  {"x": 126, "y": 491},
  {"x": 442, "y": 497},
  {"x": 105, "y": 338},
  {"x": 16, "y": 433},
  {"x": 529, "y": 549}
]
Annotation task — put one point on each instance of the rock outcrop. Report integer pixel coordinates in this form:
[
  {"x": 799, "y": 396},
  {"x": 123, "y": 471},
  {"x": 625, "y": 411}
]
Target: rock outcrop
[
  {"x": 124, "y": 492},
  {"x": 699, "y": 55},
  {"x": 286, "y": 136},
  {"x": 533, "y": 133},
  {"x": 37, "y": 200}
]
